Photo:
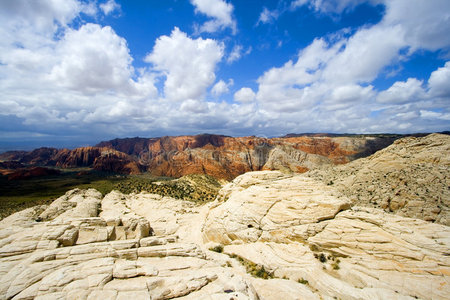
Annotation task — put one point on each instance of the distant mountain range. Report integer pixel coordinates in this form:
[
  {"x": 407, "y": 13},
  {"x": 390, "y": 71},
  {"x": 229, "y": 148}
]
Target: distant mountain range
[{"x": 217, "y": 155}]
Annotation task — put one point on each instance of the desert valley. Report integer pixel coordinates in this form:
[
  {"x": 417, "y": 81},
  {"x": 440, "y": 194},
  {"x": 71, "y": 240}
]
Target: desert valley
[{"x": 301, "y": 218}]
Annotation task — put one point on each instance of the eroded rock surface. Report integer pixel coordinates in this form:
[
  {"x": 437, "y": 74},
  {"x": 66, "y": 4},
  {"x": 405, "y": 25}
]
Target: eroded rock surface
[
  {"x": 270, "y": 205},
  {"x": 83, "y": 246},
  {"x": 411, "y": 178},
  {"x": 303, "y": 232}
]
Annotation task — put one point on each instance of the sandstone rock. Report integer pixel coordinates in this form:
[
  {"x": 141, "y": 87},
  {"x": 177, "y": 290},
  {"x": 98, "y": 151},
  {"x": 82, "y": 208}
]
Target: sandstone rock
[
  {"x": 357, "y": 253},
  {"x": 72, "y": 253},
  {"x": 411, "y": 178},
  {"x": 69, "y": 237},
  {"x": 283, "y": 289},
  {"x": 256, "y": 209},
  {"x": 74, "y": 204}
]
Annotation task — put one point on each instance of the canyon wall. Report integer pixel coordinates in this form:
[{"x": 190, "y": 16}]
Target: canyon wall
[{"x": 216, "y": 155}]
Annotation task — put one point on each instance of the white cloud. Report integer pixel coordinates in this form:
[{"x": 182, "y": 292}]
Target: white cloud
[
  {"x": 221, "y": 13},
  {"x": 109, "y": 6},
  {"x": 42, "y": 15},
  {"x": 352, "y": 93},
  {"x": 403, "y": 92},
  {"x": 237, "y": 52},
  {"x": 89, "y": 8},
  {"x": 221, "y": 87},
  {"x": 427, "y": 114},
  {"x": 62, "y": 83},
  {"x": 268, "y": 16},
  {"x": 426, "y": 24},
  {"x": 245, "y": 95},
  {"x": 439, "y": 82},
  {"x": 194, "y": 106},
  {"x": 331, "y": 6},
  {"x": 366, "y": 53},
  {"x": 333, "y": 76},
  {"x": 188, "y": 64},
  {"x": 289, "y": 85},
  {"x": 92, "y": 58}
]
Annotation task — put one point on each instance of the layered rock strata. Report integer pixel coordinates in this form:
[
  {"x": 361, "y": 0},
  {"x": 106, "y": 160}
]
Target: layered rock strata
[
  {"x": 411, "y": 178},
  {"x": 300, "y": 233},
  {"x": 300, "y": 230},
  {"x": 219, "y": 156}
]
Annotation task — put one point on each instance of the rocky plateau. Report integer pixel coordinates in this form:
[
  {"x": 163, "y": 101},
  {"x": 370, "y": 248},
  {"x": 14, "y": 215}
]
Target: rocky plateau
[{"x": 267, "y": 235}]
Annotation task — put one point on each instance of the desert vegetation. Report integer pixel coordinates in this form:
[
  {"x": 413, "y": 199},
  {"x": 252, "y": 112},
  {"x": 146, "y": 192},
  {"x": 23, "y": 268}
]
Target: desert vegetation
[{"x": 16, "y": 195}]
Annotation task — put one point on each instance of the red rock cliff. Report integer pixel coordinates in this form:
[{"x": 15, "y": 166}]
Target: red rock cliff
[{"x": 220, "y": 156}]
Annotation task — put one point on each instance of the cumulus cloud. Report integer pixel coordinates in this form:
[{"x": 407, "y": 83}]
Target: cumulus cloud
[
  {"x": 425, "y": 23},
  {"x": 221, "y": 87},
  {"x": 43, "y": 15},
  {"x": 221, "y": 13},
  {"x": 439, "y": 82},
  {"x": 92, "y": 58},
  {"x": 194, "y": 106},
  {"x": 190, "y": 74},
  {"x": 366, "y": 53},
  {"x": 403, "y": 92},
  {"x": 349, "y": 94},
  {"x": 60, "y": 83},
  {"x": 244, "y": 95},
  {"x": 109, "y": 7}
]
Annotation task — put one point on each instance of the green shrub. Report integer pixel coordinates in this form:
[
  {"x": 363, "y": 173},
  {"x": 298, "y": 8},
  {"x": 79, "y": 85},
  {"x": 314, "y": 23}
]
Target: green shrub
[
  {"x": 218, "y": 249},
  {"x": 322, "y": 258},
  {"x": 252, "y": 268}
]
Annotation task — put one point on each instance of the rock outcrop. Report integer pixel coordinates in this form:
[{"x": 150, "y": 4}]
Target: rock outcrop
[
  {"x": 85, "y": 247},
  {"x": 411, "y": 178},
  {"x": 301, "y": 230},
  {"x": 268, "y": 235}
]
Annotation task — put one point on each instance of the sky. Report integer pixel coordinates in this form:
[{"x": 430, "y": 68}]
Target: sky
[{"x": 76, "y": 72}]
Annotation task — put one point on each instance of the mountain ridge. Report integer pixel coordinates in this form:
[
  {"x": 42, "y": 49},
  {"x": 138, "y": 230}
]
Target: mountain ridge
[{"x": 221, "y": 156}]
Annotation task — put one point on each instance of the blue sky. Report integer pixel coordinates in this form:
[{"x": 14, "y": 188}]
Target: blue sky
[{"x": 74, "y": 72}]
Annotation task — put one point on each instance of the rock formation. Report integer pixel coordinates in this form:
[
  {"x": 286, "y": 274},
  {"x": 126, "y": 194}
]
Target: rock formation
[
  {"x": 227, "y": 157},
  {"x": 411, "y": 177},
  {"x": 299, "y": 229},
  {"x": 101, "y": 159},
  {"x": 297, "y": 232},
  {"x": 219, "y": 156},
  {"x": 26, "y": 173},
  {"x": 86, "y": 247}
]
